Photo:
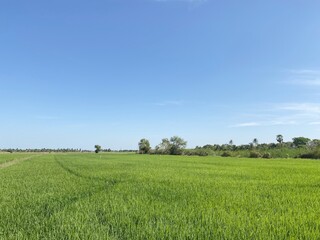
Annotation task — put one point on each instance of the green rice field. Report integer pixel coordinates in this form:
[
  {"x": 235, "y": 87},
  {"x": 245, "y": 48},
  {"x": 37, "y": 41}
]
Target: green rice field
[
  {"x": 131, "y": 196},
  {"x": 5, "y": 157}
]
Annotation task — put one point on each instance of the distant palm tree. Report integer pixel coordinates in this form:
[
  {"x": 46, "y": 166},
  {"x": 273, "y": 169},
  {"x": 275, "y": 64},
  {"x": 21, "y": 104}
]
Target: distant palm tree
[
  {"x": 280, "y": 138},
  {"x": 255, "y": 142}
]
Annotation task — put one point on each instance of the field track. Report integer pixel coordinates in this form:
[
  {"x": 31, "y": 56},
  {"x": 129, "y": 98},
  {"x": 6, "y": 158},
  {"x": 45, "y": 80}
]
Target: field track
[{"x": 15, "y": 161}]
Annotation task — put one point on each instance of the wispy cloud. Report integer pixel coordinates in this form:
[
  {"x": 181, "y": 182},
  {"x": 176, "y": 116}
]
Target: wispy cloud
[
  {"x": 306, "y": 77},
  {"x": 314, "y": 123},
  {"x": 313, "y": 82},
  {"x": 264, "y": 123},
  {"x": 303, "y": 71},
  {"x": 307, "y": 108},
  {"x": 298, "y": 113},
  {"x": 246, "y": 124},
  {"x": 285, "y": 114},
  {"x": 279, "y": 122}
]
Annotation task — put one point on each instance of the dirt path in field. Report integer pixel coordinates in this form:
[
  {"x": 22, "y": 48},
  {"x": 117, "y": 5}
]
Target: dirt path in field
[{"x": 15, "y": 161}]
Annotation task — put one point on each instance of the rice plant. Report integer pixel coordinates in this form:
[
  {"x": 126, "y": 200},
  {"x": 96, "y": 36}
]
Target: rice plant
[{"x": 131, "y": 196}]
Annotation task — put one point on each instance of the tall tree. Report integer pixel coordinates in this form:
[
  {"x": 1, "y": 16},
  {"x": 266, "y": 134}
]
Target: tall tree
[
  {"x": 255, "y": 142},
  {"x": 174, "y": 146},
  {"x": 98, "y": 148},
  {"x": 231, "y": 146},
  {"x": 144, "y": 146},
  {"x": 164, "y": 146},
  {"x": 279, "y": 138},
  {"x": 300, "y": 141},
  {"x": 177, "y": 145}
]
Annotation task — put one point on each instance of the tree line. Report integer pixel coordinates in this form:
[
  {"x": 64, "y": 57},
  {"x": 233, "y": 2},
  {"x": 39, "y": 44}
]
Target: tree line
[
  {"x": 301, "y": 147},
  {"x": 39, "y": 150},
  {"x": 61, "y": 150}
]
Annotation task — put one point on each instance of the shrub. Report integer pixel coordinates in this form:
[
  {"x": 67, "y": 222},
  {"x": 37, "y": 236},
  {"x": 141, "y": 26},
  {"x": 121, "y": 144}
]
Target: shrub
[
  {"x": 152, "y": 151},
  {"x": 254, "y": 154},
  {"x": 313, "y": 155},
  {"x": 306, "y": 155},
  {"x": 226, "y": 154},
  {"x": 266, "y": 155},
  {"x": 188, "y": 152},
  {"x": 196, "y": 152},
  {"x": 202, "y": 152}
]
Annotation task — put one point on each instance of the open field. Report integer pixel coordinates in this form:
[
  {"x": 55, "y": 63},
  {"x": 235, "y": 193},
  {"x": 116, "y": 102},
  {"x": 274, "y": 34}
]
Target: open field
[
  {"x": 128, "y": 196},
  {"x": 8, "y": 157}
]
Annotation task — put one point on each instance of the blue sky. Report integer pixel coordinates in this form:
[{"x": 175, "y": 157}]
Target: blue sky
[{"x": 110, "y": 72}]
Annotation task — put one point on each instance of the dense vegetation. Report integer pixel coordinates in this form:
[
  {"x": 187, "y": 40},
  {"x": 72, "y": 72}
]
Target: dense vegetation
[
  {"x": 300, "y": 147},
  {"x": 59, "y": 150},
  {"x": 131, "y": 196}
]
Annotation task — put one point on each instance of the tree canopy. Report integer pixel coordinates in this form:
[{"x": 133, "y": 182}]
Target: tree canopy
[
  {"x": 300, "y": 141},
  {"x": 98, "y": 148},
  {"x": 174, "y": 146},
  {"x": 144, "y": 146},
  {"x": 280, "y": 138}
]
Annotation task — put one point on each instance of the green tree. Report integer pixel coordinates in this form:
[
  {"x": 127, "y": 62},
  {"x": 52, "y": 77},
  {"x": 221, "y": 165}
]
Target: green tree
[
  {"x": 300, "y": 141},
  {"x": 177, "y": 145},
  {"x": 231, "y": 146},
  {"x": 315, "y": 143},
  {"x": 279, "y": 138},
  {"x": 144, "y": 146},
  {"x": 98, "y": 148},
  {"x": 164, "y": 147},
  {"x": 174, "y": 146}
]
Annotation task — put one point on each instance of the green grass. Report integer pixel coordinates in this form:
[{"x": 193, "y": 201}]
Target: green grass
[
  {"x": 128, "y": 196},
  {"x": 7, "y": 157}
]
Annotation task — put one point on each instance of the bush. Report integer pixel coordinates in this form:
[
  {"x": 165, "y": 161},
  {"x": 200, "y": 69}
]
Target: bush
[
  {"x": 202, "y": 152},
  {"x": 189, "y": 152},
  {"x": 152, "y": 151},
  {"x": 254, "y": 154},
  {"x": 226, "y": 154},
  {"x": 306, "y": 155},
  {"x": 266, "y": 155},
  {"x": 313, "y": 155},
  {"x": 196, "y": 152}
]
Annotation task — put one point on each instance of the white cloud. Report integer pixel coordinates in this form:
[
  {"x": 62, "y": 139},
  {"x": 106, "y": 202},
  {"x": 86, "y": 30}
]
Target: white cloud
[
  {"x": 264, "y": 123},
  {"x": 314, "y": 123},
  {"x": 304, "y": 71},
  {"x": 291, "y": 113},
  {"x": 307, "y": 77},
  {"x": 306, "y": 108},
  {"x": 279, "y": 122},
  {"x": 313, "y": 82},
  {"x": 282, "y": 114},
  {"x": 246, "y": 124}
]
